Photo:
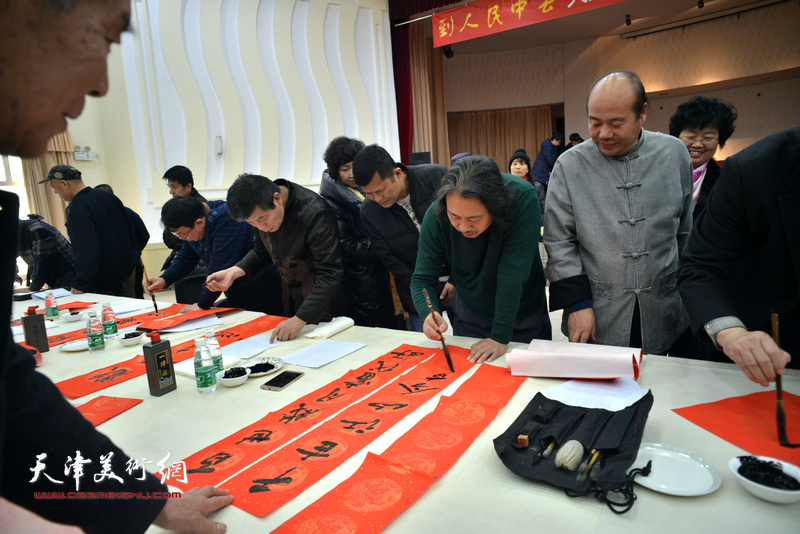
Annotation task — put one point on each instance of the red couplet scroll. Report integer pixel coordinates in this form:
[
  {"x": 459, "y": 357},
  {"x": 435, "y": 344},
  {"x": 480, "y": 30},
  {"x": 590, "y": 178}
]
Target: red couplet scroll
[
  {"x": 282, "y": 476},
  {"x": 228, "y": 456},
  {"x": 384, "y": 486},
  {"x": 99, "y": 379}
]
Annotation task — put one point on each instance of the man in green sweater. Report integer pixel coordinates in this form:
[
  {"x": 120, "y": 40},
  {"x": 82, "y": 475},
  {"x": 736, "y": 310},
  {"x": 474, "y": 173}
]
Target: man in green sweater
[{"x": 485, "y": 225}]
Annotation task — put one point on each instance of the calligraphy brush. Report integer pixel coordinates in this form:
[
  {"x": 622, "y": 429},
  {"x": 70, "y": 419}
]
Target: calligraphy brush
[
  {"x": 446, "y": 352},
  {"x": 152, "y": 295},
  {"x": 781, "y": 414}
]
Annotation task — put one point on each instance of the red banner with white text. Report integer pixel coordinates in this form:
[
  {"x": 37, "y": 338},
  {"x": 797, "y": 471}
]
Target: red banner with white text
[{"x": 485, "y": 17}]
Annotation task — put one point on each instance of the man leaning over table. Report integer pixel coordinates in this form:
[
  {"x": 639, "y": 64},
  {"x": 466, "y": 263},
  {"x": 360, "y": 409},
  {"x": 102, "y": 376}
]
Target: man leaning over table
[
  {"x": 618, "y": 214},
  {"x": 485, "y": 225},
  {"x": 397, "y": 199},
  {"x": 211, "y": 235},
  {"x": 44, "y": 76},
  {"x": 743, "y": 260},
  {"x": 297, "y": 230}
]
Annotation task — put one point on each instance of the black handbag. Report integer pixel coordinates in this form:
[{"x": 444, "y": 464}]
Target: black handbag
[{"x": 523, "y": 448}]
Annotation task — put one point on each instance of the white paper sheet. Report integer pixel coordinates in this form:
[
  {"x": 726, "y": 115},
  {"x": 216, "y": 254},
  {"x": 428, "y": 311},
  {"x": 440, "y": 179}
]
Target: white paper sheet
[
  {"x": 249, "y": 347},
  {"x": 612, "y": 395},
  {"x": 324, "y": 331},
  {"x": 58, "y": 292},
  {"x": 321, "y": 353},
  {"x": 194, "y": 324},
  {"x": 129, "y": 307}
]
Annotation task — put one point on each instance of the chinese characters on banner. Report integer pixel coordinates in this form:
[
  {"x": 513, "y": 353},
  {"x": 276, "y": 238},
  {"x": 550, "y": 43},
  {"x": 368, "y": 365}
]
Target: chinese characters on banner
[
  {"x": 485, "y": 17},
  {"x": 386, "y": 485},
  {"x": 220, "y": 460},
  {"x": 282, "y": 476}
]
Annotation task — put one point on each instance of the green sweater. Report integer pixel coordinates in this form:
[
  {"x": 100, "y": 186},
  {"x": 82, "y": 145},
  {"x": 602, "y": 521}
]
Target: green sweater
[{"x": 497, "y": 277}]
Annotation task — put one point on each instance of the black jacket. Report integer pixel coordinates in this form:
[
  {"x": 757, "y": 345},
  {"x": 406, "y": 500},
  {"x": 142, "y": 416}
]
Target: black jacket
[
  {"x": 308, "y": 256},
  {"x": 103, "y": 241},
  {"x": 743, "y": 258},
  {"x": 366, "y": 280},
  {"x": 392, "y": 232},
  {"x": 35, "y": 418}
]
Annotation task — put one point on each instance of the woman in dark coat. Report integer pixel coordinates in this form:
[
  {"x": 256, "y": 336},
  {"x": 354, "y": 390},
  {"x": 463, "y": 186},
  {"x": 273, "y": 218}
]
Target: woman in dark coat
[{"x": 366, "y": 280}]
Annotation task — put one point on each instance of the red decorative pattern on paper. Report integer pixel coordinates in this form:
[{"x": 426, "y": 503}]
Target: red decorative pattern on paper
[
  {"x": 101, "y": 409},
  {"x": 385, "y": 486}
]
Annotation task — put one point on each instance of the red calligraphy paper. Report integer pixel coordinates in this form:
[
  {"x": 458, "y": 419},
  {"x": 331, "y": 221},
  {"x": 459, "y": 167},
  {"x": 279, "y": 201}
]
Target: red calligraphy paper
[
  {"x": 485, "y": 17},
  {"x": 123, "y": 322},
  {"x": 366, "y": 502},
  {"x": 77, "y": 305},
  {"x": 427, "y": 450},
  {"x": 167, "y": 322},
  {"x": 103, "y": 408},
  {"x": 226, "y": 457},
  {"x": 99, "y": 379},
  {"x": 282, "y": 476},
  {"x": 749, "y": 422}
]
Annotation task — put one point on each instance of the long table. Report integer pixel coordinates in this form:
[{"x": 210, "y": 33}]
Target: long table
[{"x": 478, "y": 494}]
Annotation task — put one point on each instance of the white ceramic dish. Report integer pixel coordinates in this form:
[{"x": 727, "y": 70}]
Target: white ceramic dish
[
  {"x": 75, "y": 346},
  {"x": 72, "y": 317},
  {"x": 129, "y": 342},
  {"x": 676, "y": 471},
  {"x": 276, "y": 362},
  {"x": 233, "y": 382},
  {"x": 765, "y": 492}
]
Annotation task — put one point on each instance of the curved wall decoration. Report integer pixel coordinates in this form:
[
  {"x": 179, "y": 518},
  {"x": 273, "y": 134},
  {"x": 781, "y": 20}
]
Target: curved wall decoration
[
  {"x": 250, "y": 113},
  {"x": 276, "y": 79},
  {"x": 319, "y": 126},
  {"x": 215, "y": 121}
]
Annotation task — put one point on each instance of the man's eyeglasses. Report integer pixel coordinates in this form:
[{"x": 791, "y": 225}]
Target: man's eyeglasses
[{"x": 183, "y": 236}]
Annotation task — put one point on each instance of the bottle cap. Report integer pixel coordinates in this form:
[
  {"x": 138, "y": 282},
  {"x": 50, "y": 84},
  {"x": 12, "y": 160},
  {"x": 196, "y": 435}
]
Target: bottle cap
[
  {"x": 200, "y": 342},
  {"x": 210, "y": 332},
  {"x": 92, "y": 313},
  {"x": 31, "y": 310},
  {"x": 154, "y": 336},
  {"x": 105, "y": 304}
]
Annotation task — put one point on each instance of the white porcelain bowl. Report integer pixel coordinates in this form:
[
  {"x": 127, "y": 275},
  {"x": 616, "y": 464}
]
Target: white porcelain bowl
[
  {"x": 130, "y": 341},
  {"x": 765, "y": 492},
  {"x": 233, "y": 382},
  {"x": 73, "y": 317}
]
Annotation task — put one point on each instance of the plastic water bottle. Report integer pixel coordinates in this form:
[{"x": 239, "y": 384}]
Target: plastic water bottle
[
  {"x": 204, "y": 371},
  {"x": 214, "y": 349},
  {"x": 109, "y": 321},
  {"x": 94, "y": 333},
  {"x": 50, "y": 306}
]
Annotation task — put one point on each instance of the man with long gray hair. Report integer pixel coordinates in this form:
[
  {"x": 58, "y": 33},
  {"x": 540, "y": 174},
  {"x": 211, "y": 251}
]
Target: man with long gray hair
[{"x": 484, "y": 224}]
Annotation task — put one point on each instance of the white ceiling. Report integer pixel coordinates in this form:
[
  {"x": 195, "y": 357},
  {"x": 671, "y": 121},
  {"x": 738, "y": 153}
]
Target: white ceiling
[{"x": 601, "y": 22}]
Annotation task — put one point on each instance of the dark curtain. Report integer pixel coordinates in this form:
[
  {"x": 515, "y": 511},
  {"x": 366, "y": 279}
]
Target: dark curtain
[
  {"x": 404, "y": 9},
  {"x": 401, "y": 58}
]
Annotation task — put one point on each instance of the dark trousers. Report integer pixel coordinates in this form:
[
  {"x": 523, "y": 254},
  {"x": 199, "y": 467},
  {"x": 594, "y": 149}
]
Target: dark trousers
[{"x": 468, "y": 323}]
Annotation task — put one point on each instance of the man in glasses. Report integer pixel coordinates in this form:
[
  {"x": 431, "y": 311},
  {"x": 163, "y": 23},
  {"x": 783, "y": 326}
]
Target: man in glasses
[{"x": 210, "y": 234}]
